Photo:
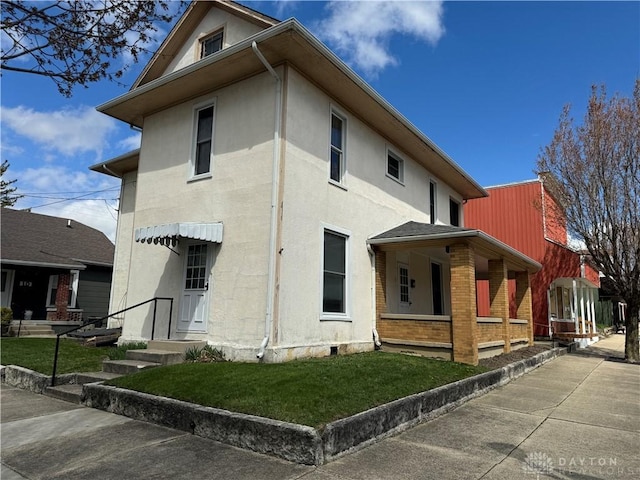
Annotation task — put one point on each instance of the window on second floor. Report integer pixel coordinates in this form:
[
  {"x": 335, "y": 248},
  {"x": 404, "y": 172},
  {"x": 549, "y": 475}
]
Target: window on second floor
[
  {"x": 454, "y": 213},
  {"x": 203, "y": 147},
  {"x": 395, "y": 167},
  {"x": 211, "y": 44},
  {"x": 336, "y": 169},
  {"x": 432, "y": 202}
]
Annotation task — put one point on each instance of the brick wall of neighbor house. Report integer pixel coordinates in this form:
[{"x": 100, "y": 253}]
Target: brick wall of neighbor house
[
  {"x": 489, "y": 332},
  {"x": 62, "y": 296},
  {"x": 381, "y": 284},
  {"x": 523, "y": 301},
  {"x": 463, "y": 305},
  {"x": 520, "y": 330}
]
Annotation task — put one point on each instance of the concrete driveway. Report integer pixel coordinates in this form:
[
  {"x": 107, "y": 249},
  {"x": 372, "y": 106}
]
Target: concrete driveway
[{"x": 575, "y": 417}]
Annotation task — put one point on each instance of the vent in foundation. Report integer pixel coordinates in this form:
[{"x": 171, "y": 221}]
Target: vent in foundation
[{"x": 334, "y": 351}]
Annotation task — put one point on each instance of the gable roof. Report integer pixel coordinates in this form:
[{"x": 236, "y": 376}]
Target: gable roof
[
  {"x": 40, "y": 240},
  {"x": 190, "y": 19},
  {"x": 289, "y": 42}
]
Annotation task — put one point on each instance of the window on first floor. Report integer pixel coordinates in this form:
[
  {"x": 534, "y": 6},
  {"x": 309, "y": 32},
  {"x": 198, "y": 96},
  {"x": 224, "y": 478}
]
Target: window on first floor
[
  {"x": 52, "y": 291},
  {"x": 436, "y": 288},
  {"x": 334, "y": 278}
]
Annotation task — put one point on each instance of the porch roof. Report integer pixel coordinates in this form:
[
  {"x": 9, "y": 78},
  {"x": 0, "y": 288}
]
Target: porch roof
[
  {"x": 421, "y": 235},
  {"x": 169, "y": 233}
]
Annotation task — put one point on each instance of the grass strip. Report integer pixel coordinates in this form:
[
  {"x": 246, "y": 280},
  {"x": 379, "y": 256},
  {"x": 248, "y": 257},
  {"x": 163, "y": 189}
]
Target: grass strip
[{"x": 309, "y": 392}]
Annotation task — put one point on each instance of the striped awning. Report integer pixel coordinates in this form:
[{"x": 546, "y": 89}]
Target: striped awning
[{"x": 169, "y": 233}]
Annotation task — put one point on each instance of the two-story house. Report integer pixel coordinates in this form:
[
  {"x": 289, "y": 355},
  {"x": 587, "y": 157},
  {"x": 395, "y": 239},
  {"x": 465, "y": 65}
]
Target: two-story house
[
  {"x": 564, "y": 292},
  {"x": 290, "y": 210}
]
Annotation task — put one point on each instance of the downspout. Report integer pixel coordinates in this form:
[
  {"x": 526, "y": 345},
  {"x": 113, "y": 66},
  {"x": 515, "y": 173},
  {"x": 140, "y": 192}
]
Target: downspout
[
  {"x": 372, "y": 256},
  {"x": 271, "y": 280}
]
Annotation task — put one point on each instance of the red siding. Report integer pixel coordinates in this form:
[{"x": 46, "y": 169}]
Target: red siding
[{"x": 514, "y": 215}]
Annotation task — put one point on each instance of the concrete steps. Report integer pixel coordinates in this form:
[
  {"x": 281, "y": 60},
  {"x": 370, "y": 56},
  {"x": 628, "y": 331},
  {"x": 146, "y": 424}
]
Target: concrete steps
[
  {"x": 163, "y": 357},
  {"x": 127, "y": 367},
  {"x": 71, "y": 393},
  {"x": 32, "y": 330}
]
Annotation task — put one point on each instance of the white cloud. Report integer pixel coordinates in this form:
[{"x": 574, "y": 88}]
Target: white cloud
[
  {"x": 68, "y": 131},
  {"x": 361, "y": 31},
  {"x": 86, "y": 197},
  {"x": 130, "y": 143}
]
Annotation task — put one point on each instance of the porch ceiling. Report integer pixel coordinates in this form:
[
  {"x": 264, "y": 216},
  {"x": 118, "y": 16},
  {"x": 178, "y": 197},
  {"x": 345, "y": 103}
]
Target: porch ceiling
[{"x": 423, "y": 235}]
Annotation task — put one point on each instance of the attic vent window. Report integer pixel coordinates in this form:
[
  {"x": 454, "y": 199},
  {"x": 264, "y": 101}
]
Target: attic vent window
[{"x": 211, "y": 44}]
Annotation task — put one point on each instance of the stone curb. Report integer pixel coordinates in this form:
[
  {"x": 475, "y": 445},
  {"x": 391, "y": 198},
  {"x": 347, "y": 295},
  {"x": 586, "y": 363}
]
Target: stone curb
[{"x": 296, "y": 443}]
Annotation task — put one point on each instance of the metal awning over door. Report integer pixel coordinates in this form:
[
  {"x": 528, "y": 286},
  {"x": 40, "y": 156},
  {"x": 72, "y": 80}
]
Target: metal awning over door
[{"x": 169, "y": 233}]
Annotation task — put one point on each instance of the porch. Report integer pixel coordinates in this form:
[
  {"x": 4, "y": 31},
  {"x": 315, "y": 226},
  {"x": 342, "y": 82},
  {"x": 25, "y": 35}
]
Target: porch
[
  {"x": 426, "y": 292},
  {"x": 572, "y": 314}
]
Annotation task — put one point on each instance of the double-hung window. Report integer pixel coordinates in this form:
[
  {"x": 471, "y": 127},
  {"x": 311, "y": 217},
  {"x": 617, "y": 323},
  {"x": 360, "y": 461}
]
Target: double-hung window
[
  {"x": 203, "y": 142},
  {"x": 336, "y": 169},
  {"x": 454, "y": 213},
  {"x": 211, "y": 44},
  {"x": 395, "y": 167},
  {"x": 432, "y": 202},
  {"x": 335, "y": 275}
]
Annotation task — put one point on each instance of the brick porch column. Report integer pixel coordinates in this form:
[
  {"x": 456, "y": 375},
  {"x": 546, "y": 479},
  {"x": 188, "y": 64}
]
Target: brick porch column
[
  {"x": 62, "y": 296},
  {"x": 523, "y": 301},
  {"x": 499, "y": 298},
  {"x": 464, "y": 323},
  {"x": 381, "y": 283}
]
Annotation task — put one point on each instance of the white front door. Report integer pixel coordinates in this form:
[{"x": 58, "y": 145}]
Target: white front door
[
  {"x": 403, "y": 287},
  {"x": 195, "y": 294}
]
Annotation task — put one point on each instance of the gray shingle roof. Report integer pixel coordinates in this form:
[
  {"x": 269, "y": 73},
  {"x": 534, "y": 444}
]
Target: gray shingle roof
[
  {"x": 41, "y": 239},
  {"x": 411, "y": 229}
]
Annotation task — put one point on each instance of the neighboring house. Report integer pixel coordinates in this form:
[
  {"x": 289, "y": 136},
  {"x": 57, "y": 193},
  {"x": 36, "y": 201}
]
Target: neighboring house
[
  {"x": 565, "y": 290},
  {"x": 289, "y": 210},
  {"x": 54, "y": 269}
]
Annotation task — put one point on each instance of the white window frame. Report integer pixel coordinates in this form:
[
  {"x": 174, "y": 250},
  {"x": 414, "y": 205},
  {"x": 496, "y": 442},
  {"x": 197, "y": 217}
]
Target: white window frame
[
  {"x": 392, "y": 154},
  {"x": 343, "y": 158},
  {"x": 194, "y": 140},
  {"x": 433, "y": 216},
  {"x": 459, "y": 211},
  {"x": 204, "y": 38},
  {"x": 402, "y": 304},
  {"x": 336, "y": 316},
  {"x": 73, "y": 288}
]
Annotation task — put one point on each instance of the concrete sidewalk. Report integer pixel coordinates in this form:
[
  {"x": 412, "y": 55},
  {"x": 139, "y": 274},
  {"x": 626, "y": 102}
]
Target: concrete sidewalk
[{"x": 575, "y": 417}]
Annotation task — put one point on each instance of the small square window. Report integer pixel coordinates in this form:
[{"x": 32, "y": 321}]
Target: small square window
[
  {"x": 395, "y": 167},
  {"x": 211, "y": 44}
]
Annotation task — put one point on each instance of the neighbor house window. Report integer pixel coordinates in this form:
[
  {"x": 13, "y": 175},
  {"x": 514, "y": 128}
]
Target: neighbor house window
[
  {"x": 334, "y": 280},
  {"x": 52, "y": 292},
  {"x": 337, "y": 148},
  {"x": 454, "y": 213},
  {"x": 203, "y": 141},
  {"x": 395, "y": 167},
  {"x": 432, "y": 202},
  {"x": 210, "y": 44}
]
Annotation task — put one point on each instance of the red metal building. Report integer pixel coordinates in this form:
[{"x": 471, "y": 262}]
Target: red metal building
[{"x": 564, "y": 292}]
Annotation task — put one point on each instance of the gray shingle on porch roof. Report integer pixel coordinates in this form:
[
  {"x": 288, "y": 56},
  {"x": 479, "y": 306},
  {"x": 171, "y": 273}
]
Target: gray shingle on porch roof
[{"x": 411, "y": 229}]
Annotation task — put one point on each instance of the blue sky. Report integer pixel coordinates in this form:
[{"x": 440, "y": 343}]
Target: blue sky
[{"x": 486, "y": 81}]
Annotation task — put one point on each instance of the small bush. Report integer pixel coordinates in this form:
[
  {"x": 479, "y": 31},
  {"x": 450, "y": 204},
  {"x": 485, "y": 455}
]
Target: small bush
[
  {"x": 6, "y": 315},
  {"x": 207, "y": 354},
  {"x": 119, "y": 352}
]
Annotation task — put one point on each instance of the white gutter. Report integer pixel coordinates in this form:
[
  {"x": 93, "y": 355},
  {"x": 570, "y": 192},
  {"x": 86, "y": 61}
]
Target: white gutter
[
  {"x": 8, "y": 261},
  {"x": 372, "y": 256},
  {"x": 271, "y": 280}
]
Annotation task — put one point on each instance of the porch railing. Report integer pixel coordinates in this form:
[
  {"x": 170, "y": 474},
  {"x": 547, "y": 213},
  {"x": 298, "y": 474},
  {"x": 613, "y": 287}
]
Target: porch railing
[{"x": 101, "y": 319}]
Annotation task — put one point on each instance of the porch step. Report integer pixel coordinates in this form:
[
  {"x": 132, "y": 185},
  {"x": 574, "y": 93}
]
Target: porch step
[
  {"x": 162, "y": 357},
  {"x": 125, "y": 367},
  {"x": 92, "y": 377},
  {"x": 179, "y": 346},
  {"x": 69, "y": 393},
  {"x": 33, "y": 330}
]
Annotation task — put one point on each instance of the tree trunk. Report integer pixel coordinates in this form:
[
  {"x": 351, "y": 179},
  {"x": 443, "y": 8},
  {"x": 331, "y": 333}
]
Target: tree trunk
[{"x": 631, "y": 348}]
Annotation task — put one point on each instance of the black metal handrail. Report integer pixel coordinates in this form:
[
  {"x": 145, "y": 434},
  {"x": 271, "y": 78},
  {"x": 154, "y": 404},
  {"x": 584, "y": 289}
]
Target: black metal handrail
[{"x": 101, "y": 319}]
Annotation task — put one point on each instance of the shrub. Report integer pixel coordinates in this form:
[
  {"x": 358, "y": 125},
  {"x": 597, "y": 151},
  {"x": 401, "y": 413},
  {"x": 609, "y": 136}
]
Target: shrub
[
  {"x": 206, "y": 354},
  {"x": 6, "y": 314}
]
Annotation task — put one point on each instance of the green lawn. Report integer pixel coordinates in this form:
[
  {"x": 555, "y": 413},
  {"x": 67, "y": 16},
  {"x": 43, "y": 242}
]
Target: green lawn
[
  {"x": 37, "y": 354},
  {"x": 310, "y": 392}
]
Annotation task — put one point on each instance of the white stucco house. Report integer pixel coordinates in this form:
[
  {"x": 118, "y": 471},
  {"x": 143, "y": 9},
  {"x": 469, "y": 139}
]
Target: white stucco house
[{"x": 290, "y": 210}]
